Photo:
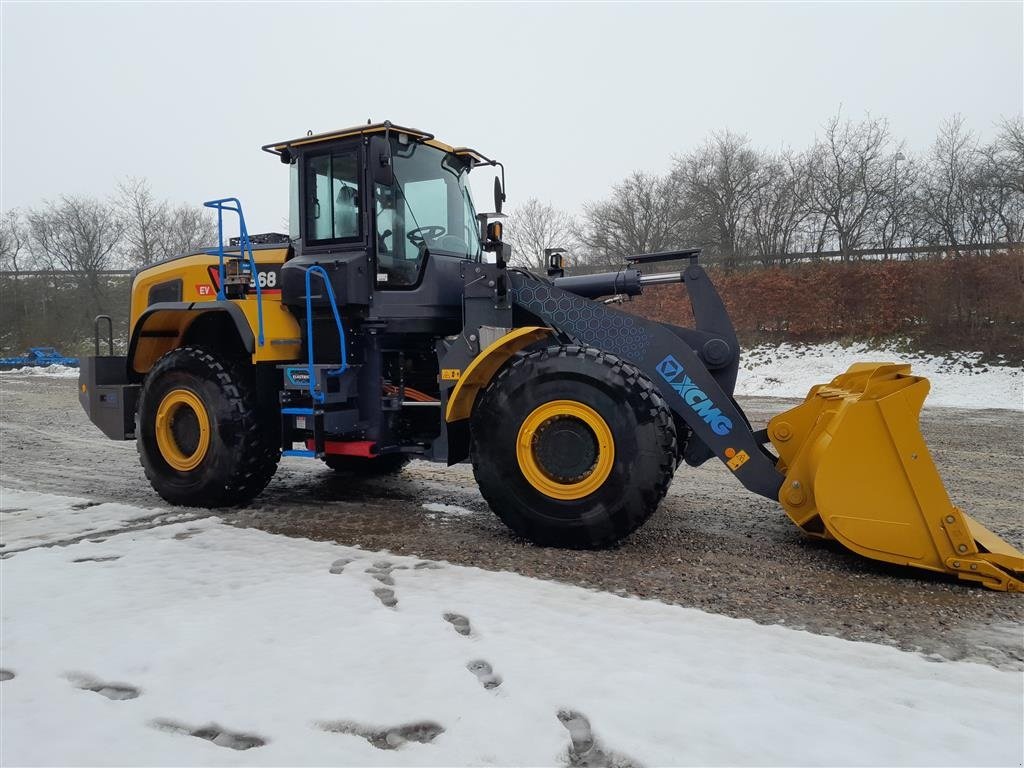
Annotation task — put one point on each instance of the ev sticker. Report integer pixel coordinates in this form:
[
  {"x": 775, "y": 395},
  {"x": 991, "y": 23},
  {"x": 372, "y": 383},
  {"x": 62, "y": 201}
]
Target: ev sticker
[{"x": 672, "y": 371}]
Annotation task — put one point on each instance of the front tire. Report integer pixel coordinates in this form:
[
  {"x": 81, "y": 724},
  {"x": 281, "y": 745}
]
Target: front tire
[
  {"x": 202, "y": 437},
  {"x": 572, "y": 447}
]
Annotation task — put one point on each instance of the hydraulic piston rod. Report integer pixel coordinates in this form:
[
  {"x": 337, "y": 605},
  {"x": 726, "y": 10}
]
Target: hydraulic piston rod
[
  {"x": 624, "y": 282},
  {"x": 663, "y": 278}
]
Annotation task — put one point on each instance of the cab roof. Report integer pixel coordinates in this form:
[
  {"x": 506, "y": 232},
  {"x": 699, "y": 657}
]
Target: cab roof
[{"x": 312, "y": 139}]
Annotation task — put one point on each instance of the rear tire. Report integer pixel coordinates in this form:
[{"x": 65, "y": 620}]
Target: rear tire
[
  {"x": 388, "y": 464},
  {"x": 203, "y": 440},
  {"x": 572, "y": 447}
]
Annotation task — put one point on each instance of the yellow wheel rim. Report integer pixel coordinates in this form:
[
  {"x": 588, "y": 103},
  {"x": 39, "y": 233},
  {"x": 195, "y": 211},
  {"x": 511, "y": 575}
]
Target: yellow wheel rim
[
  {"x": 543, "y": 418},
  {"x": 182, "y": 404}
]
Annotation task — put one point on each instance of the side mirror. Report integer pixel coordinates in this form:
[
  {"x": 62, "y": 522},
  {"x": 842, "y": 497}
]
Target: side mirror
[
  {"x": 499, "y": 195},
  {"x": 555, "y": 261},
  {"x": 383, "y": 171}
]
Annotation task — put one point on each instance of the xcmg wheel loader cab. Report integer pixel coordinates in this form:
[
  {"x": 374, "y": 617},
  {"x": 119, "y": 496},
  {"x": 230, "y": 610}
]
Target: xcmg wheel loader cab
[
  {"x": 388, "y": 326},
  {"x": 382, "y": 218},
  {"x": 388, "y": 213}
]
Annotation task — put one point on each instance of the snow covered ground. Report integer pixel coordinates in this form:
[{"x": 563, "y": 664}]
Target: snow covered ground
[
  {"x": 957, "y": 380},
  {"x": 200, "y": 643}
]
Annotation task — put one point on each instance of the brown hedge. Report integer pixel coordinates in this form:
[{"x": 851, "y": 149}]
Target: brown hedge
[{"x": 972, "y": 302}]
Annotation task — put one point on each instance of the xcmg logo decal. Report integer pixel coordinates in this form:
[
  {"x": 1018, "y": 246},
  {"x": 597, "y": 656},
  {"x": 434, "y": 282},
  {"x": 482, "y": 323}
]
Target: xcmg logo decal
[{"x": 672, "y": 371}]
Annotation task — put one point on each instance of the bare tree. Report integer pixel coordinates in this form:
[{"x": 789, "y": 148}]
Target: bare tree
[
  {"x": 777, "y": 207},
  {"x": 718, "y": 183},
  {"x": 643, "y": 215},
  {"x": 895, "y": 224},
  {"x": 189, "y": 228},
  {"x": 952, "y": 190},
  {"x": 850, "y": 170},
  {"x": 533, "y": 227},
  {"x": 1002, "y": 177},
  {"x": 154, "y": 229},
  {"x": 144, "y": 219},
  {"x": 13, "y": 254},
  {"x": 1011, "y": 143},
  {"x": 76, "y": 234},
  {"x": 13, "y": 240}
]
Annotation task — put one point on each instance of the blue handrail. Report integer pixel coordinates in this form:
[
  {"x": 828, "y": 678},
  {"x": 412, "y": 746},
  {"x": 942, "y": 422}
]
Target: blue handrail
[
  {"x": 317, "y": 269},
  {"x": 244, "y": 250}
]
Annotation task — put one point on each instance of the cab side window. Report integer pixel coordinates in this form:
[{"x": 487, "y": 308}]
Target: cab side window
[
  {"x": 425, "y": 205},
  {"x": 332, "y": 198}
]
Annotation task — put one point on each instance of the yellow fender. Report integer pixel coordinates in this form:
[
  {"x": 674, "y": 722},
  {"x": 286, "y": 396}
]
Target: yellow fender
[
  {"x": 858, "y": 471},
  {"x": 483, "y": 367}
]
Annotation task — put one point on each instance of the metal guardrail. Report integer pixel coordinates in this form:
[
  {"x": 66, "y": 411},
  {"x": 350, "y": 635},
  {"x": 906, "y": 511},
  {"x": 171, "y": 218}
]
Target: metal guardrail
[
  {"x": 804, "y": 257},
  {"x": 580, "y": 268}
]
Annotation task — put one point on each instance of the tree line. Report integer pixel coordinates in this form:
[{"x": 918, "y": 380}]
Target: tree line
[
  {"x": 856, "y": 188},
  {"x": 128, "y": 230},
  {"x": 41, "y": 303}
]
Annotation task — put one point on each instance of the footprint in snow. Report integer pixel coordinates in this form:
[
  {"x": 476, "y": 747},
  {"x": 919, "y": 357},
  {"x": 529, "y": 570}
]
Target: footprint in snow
[
  {"x": 484, "y": 673},
  {"x": 584, "y": 751},
  {"x": 213, "y": 733},
  {"x": 113, "y": 691},
  {"x": 384, "y": 566},
  {"x": 388, "y": 737},
  {"x": 188, "y": 533},
  {"x": 427, "y": 565},
  {"x": 85, "y": 505},
  {"x": 5, "y": 675},
  {"x": 381, "y": 571},
  {"x": 459, "y": 622},
  {"x": 386, "y": 597},
  {"x": 338, "y": 566}
]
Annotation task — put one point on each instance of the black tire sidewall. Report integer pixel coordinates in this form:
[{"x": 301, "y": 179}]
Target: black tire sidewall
[
  {"x": 636, "y": 482},
  {"x": 207, "y": 484}
]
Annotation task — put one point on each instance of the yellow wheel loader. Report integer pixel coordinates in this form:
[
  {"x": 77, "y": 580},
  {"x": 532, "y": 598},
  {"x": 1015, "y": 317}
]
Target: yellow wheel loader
[{"x": 388, "y": 325}]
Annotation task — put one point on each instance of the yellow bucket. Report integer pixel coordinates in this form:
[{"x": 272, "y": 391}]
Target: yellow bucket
[{"x": 858, "y": 471}]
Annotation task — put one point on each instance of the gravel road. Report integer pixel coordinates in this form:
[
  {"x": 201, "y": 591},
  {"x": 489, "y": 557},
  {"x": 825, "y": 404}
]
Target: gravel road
[{"x": 711, "y": 545}]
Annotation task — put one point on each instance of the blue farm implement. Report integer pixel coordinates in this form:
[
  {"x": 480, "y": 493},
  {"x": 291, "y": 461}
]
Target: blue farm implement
[{"x": 37, "y": 357}]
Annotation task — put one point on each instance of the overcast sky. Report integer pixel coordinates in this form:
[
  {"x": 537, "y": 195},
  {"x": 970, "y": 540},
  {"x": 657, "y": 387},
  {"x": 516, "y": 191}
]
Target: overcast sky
[{"x": 572, "y": 97}]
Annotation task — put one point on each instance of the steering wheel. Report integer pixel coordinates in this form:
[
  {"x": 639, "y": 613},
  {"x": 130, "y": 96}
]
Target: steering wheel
[{"x": 420, "y": 235}]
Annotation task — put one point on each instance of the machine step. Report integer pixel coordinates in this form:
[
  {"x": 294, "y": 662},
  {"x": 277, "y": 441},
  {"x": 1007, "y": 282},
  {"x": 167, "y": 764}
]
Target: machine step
[{"x": 299, "y": 453}]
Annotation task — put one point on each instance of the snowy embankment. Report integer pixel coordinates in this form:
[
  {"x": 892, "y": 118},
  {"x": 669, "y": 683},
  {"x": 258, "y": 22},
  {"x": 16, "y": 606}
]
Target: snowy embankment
[
  {"x": 185, "y": 643},
  {"x": 53, "y": 371},
  {"x": 958, "y": 380}
]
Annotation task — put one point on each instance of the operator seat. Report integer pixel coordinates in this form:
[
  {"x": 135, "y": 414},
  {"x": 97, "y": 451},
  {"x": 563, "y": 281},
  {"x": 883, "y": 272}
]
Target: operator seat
[{"x": 346, "y": 212}]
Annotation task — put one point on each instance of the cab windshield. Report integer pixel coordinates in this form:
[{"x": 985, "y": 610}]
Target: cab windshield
[{"x": 427, "y": 209}]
